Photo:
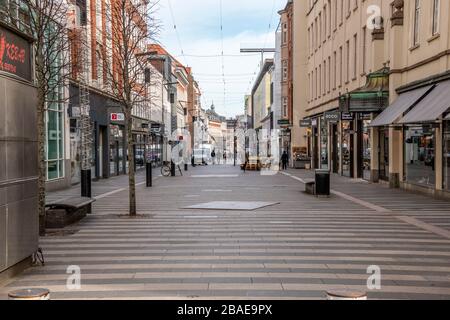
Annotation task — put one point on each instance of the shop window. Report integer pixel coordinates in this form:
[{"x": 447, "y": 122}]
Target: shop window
[
  {"x": 420, "y": 156},
  {"x": 323, "y": 144},
  {"x": 55, "y": 137},
  {"x": 446, "y": 160},
  {"x": 366, "y": 149}
]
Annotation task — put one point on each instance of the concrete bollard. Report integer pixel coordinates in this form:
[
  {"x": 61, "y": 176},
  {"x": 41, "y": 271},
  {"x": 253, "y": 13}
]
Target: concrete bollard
[
  {"x": 346, "y": 295},
  {"x": 30, "y": 294}
]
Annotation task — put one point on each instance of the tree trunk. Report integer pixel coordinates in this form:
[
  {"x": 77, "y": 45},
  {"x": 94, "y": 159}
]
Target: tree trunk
[
  {"x": 42, "y": 166},
  {"x": 131, "y": 163}
]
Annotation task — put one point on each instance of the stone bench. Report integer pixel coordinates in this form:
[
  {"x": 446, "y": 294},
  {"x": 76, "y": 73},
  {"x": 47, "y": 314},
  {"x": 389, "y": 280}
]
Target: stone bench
[
  {"x": 310, "y": 186},
  {"x": 62, "y": 213}
]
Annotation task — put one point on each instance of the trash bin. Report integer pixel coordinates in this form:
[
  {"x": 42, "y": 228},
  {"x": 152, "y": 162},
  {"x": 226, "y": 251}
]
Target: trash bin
[{"x": 322, "y": 183}]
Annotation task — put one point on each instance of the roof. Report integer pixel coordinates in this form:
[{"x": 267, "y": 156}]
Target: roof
[{"x": 161, "y": 51}]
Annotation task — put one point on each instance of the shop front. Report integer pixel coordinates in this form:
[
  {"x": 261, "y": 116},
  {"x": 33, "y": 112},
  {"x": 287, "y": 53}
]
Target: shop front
[
  {"x": 446, "y": 154},
  {"x": 359, "y": 108},
  {"x": 415, "y": 126}
]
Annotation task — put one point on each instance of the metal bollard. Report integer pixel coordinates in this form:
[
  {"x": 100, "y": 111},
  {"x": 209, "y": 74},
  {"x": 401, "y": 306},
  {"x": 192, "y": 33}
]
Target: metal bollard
[
  {"x": 149, "y": 178},
  {"x": 30, "y": 294},
  {"x": 346, "y": 295},
  {"x": 185, "y": 167}
]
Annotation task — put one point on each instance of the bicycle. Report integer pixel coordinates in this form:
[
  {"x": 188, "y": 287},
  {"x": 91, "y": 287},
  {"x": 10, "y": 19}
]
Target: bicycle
[{"x": 166, "y": 169}]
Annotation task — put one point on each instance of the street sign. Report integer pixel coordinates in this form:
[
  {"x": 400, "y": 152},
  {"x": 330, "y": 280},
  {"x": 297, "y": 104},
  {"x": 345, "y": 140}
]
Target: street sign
[
  {"x": 305, "y": 123},
  {"x": 117, "y": 117}
]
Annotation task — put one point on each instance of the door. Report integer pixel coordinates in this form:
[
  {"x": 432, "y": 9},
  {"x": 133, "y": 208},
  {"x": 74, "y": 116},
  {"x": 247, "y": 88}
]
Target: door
[
  {"x": 335, "y": 148},
  {"x": 383, "y": 154}
]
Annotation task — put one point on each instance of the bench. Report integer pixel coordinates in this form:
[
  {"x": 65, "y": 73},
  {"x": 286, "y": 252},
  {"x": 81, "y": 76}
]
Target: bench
[
  {"x": 62, "y": 213},
  {"x": 310, "y": 186}
]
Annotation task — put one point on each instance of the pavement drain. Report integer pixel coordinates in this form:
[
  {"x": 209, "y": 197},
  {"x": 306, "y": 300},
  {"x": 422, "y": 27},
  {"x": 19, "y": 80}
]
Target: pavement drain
[{"x": 232, "y": 205}]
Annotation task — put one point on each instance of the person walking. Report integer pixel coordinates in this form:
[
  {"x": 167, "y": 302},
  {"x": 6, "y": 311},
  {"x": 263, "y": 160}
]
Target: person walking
[
  {"x": 213, "y": 156},
  {"x": 284, "y": 160}
]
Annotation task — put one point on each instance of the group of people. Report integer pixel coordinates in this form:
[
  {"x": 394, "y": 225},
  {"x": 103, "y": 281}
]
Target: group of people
[{"x": 284, "y": 159}]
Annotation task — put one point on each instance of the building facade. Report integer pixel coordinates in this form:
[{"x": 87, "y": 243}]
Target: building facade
[
  {"x": 19, "y": 221},
  {"x": 359, "y": 58}
]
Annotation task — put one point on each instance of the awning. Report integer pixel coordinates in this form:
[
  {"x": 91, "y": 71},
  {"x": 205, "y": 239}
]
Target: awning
[
  {"x": 432, "y": 107},
  {"x": 405, "y": 101},
  {"x": 447, "y": 117}
]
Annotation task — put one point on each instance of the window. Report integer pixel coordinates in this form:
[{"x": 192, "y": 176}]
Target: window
[
  {"x": 285, "y": 70},
  {"x": 341, "y": 60},
  {"x": 446, "y": 160},
  {"x": 335, "y": 70},
  {"x": 55, "y": 136},
  {"x": 416, "y": 22},
  {"x": 420, "y": 155},
  {"x": 347, "y": 74},
  {"x": 364, "y": 49},
  {"x": 355, "y": 55},
  {"x": 285, "y": 33},
  {"x": 285, "y": 107},
  {"x": 435, "y": 26}
]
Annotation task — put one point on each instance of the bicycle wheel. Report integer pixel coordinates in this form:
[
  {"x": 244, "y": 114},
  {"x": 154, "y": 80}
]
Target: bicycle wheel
[{"x": 165, "y": 171}]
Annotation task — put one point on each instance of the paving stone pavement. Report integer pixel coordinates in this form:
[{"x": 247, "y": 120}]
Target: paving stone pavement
[{"x": 297, "y": 249}]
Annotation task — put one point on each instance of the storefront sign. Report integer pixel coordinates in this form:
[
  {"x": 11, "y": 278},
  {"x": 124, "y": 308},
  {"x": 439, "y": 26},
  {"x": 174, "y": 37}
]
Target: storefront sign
[
  {"x": 305, "y": 123},
  {"x": 15, "y": 55},
  {"x": 117, "y": 117},
  {"x": 332, "y": 116},
  {"x": 284, "y": 122},
  {"x": 347, "y": 116}
]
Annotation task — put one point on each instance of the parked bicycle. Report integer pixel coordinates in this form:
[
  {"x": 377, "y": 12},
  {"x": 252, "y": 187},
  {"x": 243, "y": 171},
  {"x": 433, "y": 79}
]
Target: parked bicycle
[{"x": 166, "y": 169}]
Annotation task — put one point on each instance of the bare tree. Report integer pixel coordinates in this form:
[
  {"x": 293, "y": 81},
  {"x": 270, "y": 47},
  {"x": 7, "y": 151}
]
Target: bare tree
[
  {"x": 132, "y": 25},
  {"x": 46, "y": 22}
]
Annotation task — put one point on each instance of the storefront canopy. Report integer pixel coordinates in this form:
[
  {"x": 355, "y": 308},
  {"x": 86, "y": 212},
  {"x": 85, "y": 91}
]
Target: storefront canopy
[
  {"x": 405, "y": 101},
  {"x": 432, "y": 107}
]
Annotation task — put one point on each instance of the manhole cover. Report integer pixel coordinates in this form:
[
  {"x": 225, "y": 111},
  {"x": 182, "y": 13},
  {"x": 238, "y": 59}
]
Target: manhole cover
[{"x": 232, "y": 205}]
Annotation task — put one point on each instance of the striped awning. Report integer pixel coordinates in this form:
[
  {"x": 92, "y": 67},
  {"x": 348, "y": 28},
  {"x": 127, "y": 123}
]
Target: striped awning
[
  {"x": 432, "y": 107},
  {"x": 404, "y": 102}
]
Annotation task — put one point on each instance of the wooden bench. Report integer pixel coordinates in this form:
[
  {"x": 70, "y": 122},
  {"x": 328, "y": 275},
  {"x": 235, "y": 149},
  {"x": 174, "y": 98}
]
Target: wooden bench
[
  {"x": 310, "y": 186},
  {"x": 62, "y": 213}
]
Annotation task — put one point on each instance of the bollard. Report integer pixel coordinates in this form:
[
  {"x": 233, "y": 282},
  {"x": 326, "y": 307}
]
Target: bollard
[
  {"x": 149, "y": 178},
  {"x": 172, "y": 169},
  {"x": 30, "y": 294},
  {"x": 185, "y": 167},
  {"x": 346, "y": 295}
]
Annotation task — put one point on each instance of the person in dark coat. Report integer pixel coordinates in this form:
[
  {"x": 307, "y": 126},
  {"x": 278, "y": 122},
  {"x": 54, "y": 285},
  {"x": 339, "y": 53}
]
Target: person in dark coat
[{"x": 284, "y": 160}]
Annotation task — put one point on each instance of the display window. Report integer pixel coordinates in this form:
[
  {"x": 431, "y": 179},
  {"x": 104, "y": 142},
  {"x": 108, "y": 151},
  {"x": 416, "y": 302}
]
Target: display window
[{"x": 420, "y": 155}]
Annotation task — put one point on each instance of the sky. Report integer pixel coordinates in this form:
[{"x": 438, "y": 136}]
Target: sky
[{"x": 197, "y": 42}]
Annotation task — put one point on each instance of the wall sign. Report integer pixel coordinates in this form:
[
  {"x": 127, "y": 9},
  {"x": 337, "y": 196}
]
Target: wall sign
[
  {"x": 15, "y": 54},
  {"x": 117, "y": 117}
]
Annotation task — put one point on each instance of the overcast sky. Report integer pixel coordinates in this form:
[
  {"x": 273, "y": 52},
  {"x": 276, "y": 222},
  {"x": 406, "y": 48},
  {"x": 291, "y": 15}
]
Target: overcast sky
[{"x": 245, "y": 22}]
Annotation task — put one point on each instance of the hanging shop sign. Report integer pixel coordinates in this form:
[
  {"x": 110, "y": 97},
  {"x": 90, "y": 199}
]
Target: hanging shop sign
[
  {"x": 332, "y": 116},
  {"x": 15, "y": 54},
  {"x": 347, "y": 116},
  {"x": 284, "y": 122},
  {"x": 305, "y": 123},
  {"x": 117, "y": 117}
]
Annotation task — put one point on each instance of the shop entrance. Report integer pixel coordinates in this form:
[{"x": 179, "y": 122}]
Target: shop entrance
[
  {"x": 383, "y": 154},
  {"x": 334, "y": 148},
  {"x": 315, "y": 147},
  {"x": 347, "y": 149}
]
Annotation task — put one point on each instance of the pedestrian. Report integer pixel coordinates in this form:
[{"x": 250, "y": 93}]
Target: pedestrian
[
  {"x": 246, "y": 161},
  {"x": 213, "y": 156},
  {"x": 284, "y": 160}
]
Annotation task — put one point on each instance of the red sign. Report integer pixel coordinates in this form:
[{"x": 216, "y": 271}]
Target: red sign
[
  {"x": 14, "y": 54},
  {"x": 117, "y": 117}
]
